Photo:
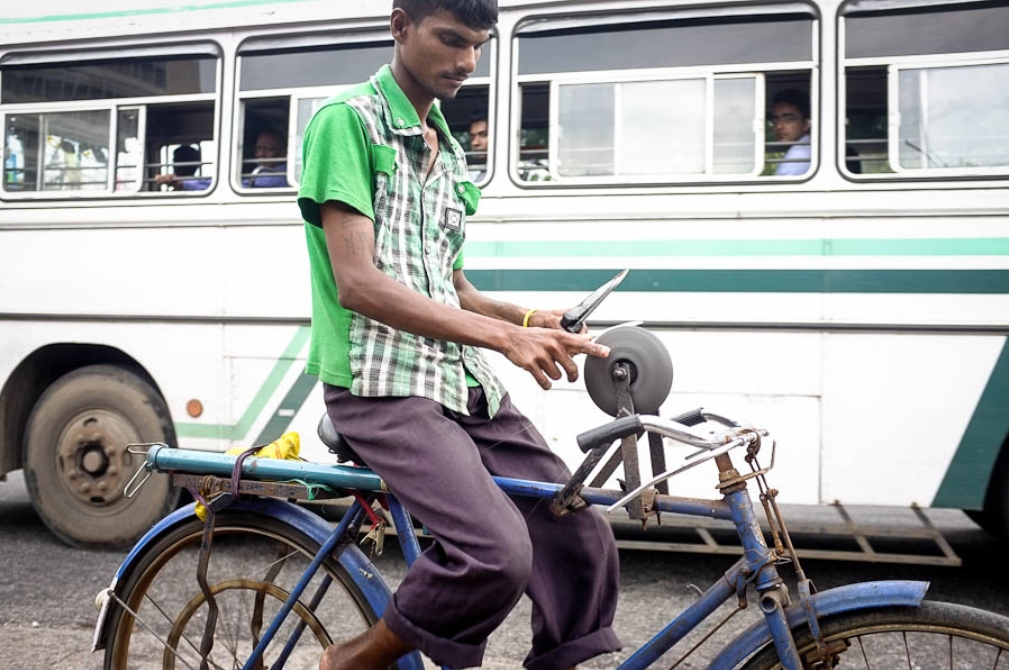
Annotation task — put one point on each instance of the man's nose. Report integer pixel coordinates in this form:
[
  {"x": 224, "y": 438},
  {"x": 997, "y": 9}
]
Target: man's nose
[{"x": 469, "y": 60}]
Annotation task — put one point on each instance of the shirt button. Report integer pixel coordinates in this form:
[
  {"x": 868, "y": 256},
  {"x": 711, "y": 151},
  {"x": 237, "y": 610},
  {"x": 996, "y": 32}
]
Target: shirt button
[
  {"x": 400, "y": 122},
  {"x": 460, "y": 188},
  {"x": 427, "y": 249}
]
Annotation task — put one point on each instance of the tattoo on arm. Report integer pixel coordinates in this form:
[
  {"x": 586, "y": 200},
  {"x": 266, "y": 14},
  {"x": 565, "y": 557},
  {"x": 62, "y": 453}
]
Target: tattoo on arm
[{"x": 356, "y": 242}]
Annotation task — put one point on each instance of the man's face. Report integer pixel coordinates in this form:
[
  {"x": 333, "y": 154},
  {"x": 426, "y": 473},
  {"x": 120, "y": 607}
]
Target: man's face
[
  {"x": 478, "y": 136},
  {"x": 788, "y": 124},
  {"x": 440, "y": 52},
  {"x": 268, "y": 145}
]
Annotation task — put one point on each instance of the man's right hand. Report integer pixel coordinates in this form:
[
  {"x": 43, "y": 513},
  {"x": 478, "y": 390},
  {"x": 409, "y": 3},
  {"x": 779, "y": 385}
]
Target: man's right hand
[{"x": 540, "y": 351}]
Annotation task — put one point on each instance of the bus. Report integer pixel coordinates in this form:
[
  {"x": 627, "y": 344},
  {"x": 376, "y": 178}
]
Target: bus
[{"x": 848, "y": 288}]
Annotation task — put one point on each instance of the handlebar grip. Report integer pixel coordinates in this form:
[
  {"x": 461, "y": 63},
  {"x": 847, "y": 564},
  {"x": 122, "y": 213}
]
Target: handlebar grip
[
  {"x": 694, "y": 417},
  {"x": 571, "y": 322},
  {"x": 615, "y": 430}
]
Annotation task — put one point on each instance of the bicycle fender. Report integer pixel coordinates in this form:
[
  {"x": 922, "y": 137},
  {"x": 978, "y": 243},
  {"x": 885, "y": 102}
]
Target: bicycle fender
[
  {"x": 864, "y": 595},
  {"x": 374, "y": 588}
]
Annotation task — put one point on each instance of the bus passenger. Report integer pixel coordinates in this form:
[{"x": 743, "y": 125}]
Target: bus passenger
[
  {"x": 478, "y": 147},
  {"x": 790, "y": 120},
  {"x": 185, "y": 163},
  {"x": 396, "y": 331},
  {"x": 268, "y": 173}
]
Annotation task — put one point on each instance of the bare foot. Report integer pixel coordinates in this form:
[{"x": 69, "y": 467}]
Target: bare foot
[{"x": 374, "y": 649}]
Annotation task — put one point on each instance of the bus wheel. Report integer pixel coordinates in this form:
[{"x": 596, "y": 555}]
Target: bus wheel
[
  {"x": 994, "y": 518},
  {"x": 76, "y": 462}
]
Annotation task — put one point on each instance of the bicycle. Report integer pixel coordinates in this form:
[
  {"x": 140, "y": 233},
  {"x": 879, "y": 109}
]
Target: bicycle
[{"x": 289, "y": 579}]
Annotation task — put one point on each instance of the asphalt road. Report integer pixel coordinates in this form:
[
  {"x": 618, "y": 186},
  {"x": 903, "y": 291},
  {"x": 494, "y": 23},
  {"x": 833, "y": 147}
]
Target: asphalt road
[{"x": 47, "y": 589}]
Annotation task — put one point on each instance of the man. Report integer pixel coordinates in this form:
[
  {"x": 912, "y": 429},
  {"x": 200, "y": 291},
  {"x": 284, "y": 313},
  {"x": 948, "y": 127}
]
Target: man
[
  {"x": 478, "y": 145},
  {"x": 395, "y": 331},
  {"x": 790, "y": 121},
  {"x": 268, "y": 172},
  {"x": 185, "y": 163}
]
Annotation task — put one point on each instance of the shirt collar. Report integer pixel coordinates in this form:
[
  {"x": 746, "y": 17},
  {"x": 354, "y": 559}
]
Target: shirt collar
[{"x": 404, "y": 119}]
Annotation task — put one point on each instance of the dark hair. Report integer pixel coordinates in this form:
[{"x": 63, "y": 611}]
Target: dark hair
[
  {"x": 477, "y": 14},
  {"x": 185, "y": 153},
  {"x": 794, "y": 97},
  {"x": 477, "y": 116}
]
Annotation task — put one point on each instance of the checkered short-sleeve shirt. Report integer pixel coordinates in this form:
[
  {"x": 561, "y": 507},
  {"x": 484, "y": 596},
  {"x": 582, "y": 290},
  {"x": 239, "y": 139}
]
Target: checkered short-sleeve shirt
[{"x": 366, "y": 149}]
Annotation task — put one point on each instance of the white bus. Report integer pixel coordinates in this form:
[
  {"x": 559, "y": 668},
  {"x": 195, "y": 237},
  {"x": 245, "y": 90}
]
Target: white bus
[{"x": 858, "y": 306}]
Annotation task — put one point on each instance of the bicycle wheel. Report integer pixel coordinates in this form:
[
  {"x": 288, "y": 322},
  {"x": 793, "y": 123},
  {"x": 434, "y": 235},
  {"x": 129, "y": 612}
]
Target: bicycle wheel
[
  {"x": 254, "y": 564},
  {"x": 934, "y": 636}
]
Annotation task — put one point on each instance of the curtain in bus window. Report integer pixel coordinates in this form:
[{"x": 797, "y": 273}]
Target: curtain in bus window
[
  {"x": 662, "y": 127},
  {"x": 954, "y": 117},
  {"x": 76, "y": 151},
  {"x": 586, "y": 130},
  {"x": 735, "y": 130},
  {"x": 129, "y": 151},
  {"x": 307, "y": 107}
]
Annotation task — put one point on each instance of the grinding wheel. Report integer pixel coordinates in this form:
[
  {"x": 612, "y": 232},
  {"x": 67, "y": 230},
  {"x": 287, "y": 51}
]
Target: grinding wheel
[{"x": 650, "y": 367}]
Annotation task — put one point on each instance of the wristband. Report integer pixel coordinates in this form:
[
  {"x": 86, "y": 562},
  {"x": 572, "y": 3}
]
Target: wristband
[{"x": 525, "y": 319}]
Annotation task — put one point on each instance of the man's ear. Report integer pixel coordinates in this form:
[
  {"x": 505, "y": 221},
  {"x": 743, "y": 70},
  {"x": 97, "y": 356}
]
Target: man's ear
[{"x": 399, "y": 24}]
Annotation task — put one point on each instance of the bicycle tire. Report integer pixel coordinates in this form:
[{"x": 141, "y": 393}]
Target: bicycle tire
[
  {"x": 172, "y": 611},
  {"x": 934, "y": 635}
]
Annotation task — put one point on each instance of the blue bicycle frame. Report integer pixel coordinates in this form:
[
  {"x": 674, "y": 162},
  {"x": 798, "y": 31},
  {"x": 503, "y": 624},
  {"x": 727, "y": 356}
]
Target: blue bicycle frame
[{"x": 756, "y": 566}]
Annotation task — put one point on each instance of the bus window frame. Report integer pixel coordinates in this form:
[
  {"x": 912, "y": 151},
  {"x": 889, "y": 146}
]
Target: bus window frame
[
  {"x": 657, "y": 75},
  {"x": 493, "y": 135},
  {"x": 297, "y": 94},
  {"x": 113, "y": 105},
  {"x": 813, "y": 66},
  {"x": 893, "y": 65}
]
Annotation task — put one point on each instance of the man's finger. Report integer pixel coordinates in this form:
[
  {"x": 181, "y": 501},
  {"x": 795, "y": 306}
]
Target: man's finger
[{"x": 571, "y": 368}]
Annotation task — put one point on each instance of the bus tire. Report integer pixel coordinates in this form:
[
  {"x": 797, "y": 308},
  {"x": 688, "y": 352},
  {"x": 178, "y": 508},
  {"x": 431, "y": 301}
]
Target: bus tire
[
  {"x": 994, "y": 518},
  {"x": 76, "y": 461}
]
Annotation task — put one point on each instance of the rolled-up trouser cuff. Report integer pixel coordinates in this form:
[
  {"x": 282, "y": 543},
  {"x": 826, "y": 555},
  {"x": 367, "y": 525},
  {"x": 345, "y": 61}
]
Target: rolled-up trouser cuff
[
  {"x": 570, "y": 654},
  {"x": 438, "y": 649}
]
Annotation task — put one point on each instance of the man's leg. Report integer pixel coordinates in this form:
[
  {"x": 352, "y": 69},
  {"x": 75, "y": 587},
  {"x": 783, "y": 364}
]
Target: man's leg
[
  {"x": 464, "y": 585},
  {"x": 575, "y": 574}
]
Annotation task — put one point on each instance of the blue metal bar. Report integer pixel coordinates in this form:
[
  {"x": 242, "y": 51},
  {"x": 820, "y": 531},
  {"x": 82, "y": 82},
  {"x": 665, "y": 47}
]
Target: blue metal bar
[
  {"x": 404, "y": 529},
  {"x": 167, "y": 459},
  {"x": 780, "y": 632},
  {"x": 324, "y": 551},
  {"x": 688, "y": 619},
  {"x": 716, "y": 509},
  {"x": 292, "y": 641}
]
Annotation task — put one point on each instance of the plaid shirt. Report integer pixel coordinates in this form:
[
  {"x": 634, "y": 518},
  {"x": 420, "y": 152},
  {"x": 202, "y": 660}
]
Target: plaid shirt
[{"x": 420, "y": 228}]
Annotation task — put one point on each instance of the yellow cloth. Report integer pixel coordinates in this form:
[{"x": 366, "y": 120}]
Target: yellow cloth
[{"x": 286, "y": 448}]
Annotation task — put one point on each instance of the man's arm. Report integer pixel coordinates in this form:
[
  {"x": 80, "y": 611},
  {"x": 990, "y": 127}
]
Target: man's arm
[
  {"x": 473, "y": 300},
  {"x": 363, "y": 288}
]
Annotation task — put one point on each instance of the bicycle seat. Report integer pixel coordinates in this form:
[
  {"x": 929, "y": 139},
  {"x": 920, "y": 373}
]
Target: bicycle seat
[{"x": 331, "y": 437}]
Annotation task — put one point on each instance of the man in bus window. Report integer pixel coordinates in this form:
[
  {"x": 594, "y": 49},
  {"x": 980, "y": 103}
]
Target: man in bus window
[
  {"x": 790, "y": 121},
  {"x": 396, "y": 328},
  {"x": 268, "y": 171},
  {"x": 478, "y": 147},
  {"x": 185, "y": 163}
]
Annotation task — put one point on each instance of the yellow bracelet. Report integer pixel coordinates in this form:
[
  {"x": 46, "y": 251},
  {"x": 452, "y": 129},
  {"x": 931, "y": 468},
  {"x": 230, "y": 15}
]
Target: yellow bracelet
[{"x": 525, "y": 320}]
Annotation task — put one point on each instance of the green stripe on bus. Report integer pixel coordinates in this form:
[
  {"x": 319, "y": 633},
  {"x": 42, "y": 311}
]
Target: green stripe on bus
[
  {"x": 289, "y": 406},
  {"x": 966, "y": 480},
  {"x": 144, "y": 11},
  {"x": 993, "y": 246},
  {"x": 749, "y": 281},
  {"x": 255, "y": 408}
]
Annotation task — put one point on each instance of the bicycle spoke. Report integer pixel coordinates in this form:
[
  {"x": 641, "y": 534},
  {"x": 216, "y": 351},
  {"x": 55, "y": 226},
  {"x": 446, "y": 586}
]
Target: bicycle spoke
[
  {"x": 907, "y": 650},
  {"x": 864, "y": 657}
]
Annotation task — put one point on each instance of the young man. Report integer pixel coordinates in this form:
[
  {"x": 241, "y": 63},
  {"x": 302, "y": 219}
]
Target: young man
[
  {"x": 790, "y": 121},
  {"x": 478, "y": 144},
  {"x": 396, "y": 329}
]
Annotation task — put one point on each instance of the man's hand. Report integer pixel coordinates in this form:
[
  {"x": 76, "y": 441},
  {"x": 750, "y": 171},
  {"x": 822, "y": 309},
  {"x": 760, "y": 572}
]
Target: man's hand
[
  {"x": 541, "y": 350},
  {"x": 550, "y": 318}
]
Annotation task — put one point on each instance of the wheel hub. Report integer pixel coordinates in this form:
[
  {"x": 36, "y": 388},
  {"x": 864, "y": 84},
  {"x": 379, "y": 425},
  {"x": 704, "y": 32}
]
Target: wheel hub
[{"x": 92, "y": 456}]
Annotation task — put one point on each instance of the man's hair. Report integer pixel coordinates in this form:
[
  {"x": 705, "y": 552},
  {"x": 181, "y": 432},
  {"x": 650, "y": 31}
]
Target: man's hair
[
  {"x": 477, "y": 116},
  {"x": 476, "y": 14},
  {"x": 185, "y": 153},
  {"x": 794, "y": 97}
]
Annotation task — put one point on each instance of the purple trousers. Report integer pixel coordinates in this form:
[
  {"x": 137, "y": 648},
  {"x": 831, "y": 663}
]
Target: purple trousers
[{"x": 489, "y": 549}]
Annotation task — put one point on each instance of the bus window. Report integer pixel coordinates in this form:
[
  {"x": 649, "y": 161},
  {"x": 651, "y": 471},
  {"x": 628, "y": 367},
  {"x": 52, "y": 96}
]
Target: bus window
[
  {"x": 75, "y": 127},
  {"x": 264, "y": 147},
  {"x": 676, "y": 97},
  {"x": 288, "y": 78},
  {"x": 924, "y": 91},
  {"x": 180, "y": 142}
]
